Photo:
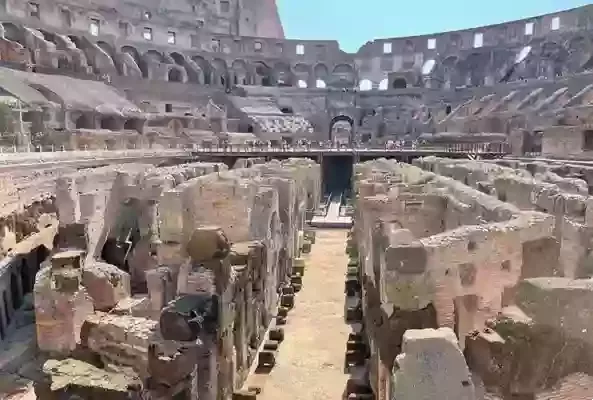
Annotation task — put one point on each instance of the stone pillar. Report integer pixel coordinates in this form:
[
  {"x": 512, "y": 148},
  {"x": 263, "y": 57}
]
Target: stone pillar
[
  {"x": 148, "y": 221},
  {"x": 61, "y": 303},
  {"x": 67, "y": 201},
  {"x": 161, "y": 284},
  {"x": 447, "y": 377}
]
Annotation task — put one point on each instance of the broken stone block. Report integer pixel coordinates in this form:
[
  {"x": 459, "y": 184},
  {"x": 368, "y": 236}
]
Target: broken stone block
[
  {"x": 445, "y": 377},
  {"x": 189, "y": 316},
  {"x": 170, "y": 365},
  {"x": 70, "y": 378},
  {"x": 71, "y": 236},
  {"x": 208, "y": 243},
  {"x": 120, "y": 340},
  {"x": 162, "y": 287},
  {"x": 67, "y": 200},
  {"x": 61, "y": 307},
  {"x": 106, "y": 284},
  {"x": 68, "y": 259}
]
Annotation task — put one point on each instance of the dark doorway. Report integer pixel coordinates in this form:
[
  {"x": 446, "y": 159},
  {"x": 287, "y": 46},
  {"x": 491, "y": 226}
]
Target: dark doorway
[
  {"x": 400, "y": 83},
  {"x": 337, "y": 175},
  {"x": 26, "y": 280},
  {"x": 15, "y": 292}
]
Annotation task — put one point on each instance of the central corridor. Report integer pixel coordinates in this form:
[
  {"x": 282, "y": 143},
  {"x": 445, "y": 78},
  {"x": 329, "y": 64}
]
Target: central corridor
[{"x": 310, "y": 361}]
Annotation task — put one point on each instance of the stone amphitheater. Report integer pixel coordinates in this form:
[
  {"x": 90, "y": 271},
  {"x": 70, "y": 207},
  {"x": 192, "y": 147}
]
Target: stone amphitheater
[{"x": 194, "y": 207}]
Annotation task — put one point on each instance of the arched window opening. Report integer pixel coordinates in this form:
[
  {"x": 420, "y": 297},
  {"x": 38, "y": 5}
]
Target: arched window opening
[
  {"x": 365, "y": 84},
  {"x": 384, "y": 84},
  {"x": 174, "y": 75},
  {"x": 320, "y": 84},
  {"x": 399, "y": 83},
  {"x": 109, "y": 123},
  {"x": 133, "y": 124},
  {"x": 84, "y": 122}
]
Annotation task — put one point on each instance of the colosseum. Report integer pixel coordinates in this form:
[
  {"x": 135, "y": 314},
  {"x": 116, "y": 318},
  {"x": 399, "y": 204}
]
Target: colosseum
[{"x": 198, "y": 208}]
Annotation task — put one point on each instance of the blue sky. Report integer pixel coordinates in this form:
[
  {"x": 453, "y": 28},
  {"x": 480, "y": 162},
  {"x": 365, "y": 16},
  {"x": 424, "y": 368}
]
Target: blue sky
[{"x": 354, "y": 25}]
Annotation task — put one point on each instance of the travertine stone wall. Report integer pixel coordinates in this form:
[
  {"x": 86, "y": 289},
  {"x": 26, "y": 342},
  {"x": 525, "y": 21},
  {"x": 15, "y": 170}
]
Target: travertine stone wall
[
  {"x": 173, "y": 273},
  {"x": 435, "y": 252},
  {"x": 490, "y": 250}
]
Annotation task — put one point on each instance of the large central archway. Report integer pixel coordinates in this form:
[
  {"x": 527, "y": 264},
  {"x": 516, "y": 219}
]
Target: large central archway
[{"x": 340, "y": 119}]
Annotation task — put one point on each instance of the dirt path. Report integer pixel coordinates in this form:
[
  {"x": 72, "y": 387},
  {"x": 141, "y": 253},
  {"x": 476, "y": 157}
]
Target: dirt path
[{"x": 310, "y": 362}]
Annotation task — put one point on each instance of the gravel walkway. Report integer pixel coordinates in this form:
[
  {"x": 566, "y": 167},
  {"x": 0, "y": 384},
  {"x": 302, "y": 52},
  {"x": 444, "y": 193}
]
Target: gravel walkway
[{"x": 310, "y": 361}]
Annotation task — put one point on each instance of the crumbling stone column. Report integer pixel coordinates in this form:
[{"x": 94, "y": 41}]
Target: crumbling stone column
[{"x": 61, "y": 303}]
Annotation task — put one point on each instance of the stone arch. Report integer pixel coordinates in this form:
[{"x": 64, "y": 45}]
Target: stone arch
[
  {"x": 178, "y": 58},
  {"x": 13, "y": 33},
  {"x": 303, "y": 72},
  {"x": 284, "y": 75},
  {"x": 344, "y": 75},
  {"x": 205, "y": 66},
  {"x": 474, "y": 68},
  {"x": 264, "y": 74},
  {"x": 450, "y": 69},
  {"x": 154, "y": 56},
  {"x": 175, "y": 74},
  {"x": 192, "y": 72},
  {"x": 365, "y": 84},
  {"x": 553, "y": 57},
  {"x": 220, "y": 72},
  {"x": 341, "y": 118},
  {"x": 240, "y": 72},
  {"x": 104, "y": 55},
  {"x": 131, "y": 56},
  {"x": 580, "y": 53},
  {"x": 321, "y": 74},
  {"x": 106, "y": 48},
  {"x": 63, "y": 62}
]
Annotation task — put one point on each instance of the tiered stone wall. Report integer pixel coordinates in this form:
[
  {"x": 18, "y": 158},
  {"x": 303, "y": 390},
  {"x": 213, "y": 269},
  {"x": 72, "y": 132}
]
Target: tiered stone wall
[
  {"x": 484, "y": 252},
  {"x": 173, "y": 276}
]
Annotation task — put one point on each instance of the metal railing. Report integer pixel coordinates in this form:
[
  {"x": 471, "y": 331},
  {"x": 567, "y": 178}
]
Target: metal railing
[{"x": 499, "y": 148}]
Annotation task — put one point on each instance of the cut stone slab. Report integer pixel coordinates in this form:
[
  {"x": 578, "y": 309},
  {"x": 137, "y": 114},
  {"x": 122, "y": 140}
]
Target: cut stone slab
[{"x": 73, "y": 377}]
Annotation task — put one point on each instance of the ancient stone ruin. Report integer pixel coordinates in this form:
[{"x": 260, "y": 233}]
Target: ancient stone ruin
[
  {"x": 475, "y": 274},
  {"x": 195, "y": 207},
  {"x": 166, "y": 282}
]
